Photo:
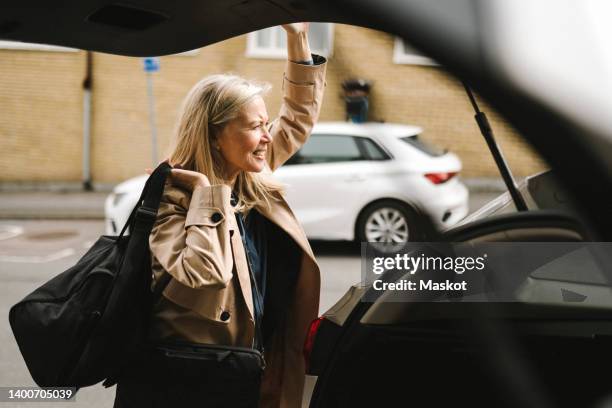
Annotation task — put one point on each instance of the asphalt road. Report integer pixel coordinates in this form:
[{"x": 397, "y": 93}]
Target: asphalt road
[{"x": 31, "y": 252}]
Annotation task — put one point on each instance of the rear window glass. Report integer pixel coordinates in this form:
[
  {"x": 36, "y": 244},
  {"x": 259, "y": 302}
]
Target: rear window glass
[
  {"x": 372, "y": 150},
  {"x": 427, "y": 148}
]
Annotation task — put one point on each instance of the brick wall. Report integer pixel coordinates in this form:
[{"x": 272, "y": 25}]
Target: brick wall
[
  {"x": 41, "y": 96},
  {"x": 40, "y": 115}
]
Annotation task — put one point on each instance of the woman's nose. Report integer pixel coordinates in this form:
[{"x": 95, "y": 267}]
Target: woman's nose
[{"x": 266, "y": 138}]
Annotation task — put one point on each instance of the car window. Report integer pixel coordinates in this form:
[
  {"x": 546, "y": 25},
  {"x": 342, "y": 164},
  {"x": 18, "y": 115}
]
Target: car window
[
  {"x": 371, "y": 150},
  {"x": 415, "y": 141},
  {"x": 328, "y": 149}
]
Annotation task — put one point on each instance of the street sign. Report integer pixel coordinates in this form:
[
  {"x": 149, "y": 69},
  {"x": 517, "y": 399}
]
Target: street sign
[{"x": 150, "y": 64}]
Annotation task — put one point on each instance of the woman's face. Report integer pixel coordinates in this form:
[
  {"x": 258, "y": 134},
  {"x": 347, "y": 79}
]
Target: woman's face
[{"x": 244, "y": 141}]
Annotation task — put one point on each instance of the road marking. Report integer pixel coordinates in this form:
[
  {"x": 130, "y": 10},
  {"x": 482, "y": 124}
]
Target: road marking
[
  {"x": 10, "y": 231},
  {"x": 38, "y": 259}
]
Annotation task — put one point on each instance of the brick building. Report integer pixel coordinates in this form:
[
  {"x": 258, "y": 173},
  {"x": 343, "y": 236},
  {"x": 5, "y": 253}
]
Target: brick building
[{"x": 41, "y": 124}]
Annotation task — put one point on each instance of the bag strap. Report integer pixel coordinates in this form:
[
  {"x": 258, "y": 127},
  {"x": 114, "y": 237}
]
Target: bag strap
[
  {"x": 164, "y": 280},
  {"x": 144, "y": 213},
  {"x": 141, "y": 222}
]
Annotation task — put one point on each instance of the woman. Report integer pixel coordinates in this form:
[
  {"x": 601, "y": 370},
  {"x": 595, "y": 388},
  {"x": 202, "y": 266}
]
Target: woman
[{"x": 229, "y": 241}]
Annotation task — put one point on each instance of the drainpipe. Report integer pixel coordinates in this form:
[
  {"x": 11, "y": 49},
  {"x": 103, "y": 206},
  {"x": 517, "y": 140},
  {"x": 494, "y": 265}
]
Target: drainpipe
[{"x": 87, "y": 83}]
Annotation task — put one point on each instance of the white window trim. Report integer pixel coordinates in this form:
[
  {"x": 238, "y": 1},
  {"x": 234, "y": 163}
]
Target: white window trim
[
  {"x": 18, "y": 45},
  {"x": 253, "y": 51},
  {"x": 400, "y": 57}
]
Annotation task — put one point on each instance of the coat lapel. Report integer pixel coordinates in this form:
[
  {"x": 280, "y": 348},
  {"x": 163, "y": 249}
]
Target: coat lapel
[
  {"x": 281, "y": 215},
  {"x": 242, "y": 270}
]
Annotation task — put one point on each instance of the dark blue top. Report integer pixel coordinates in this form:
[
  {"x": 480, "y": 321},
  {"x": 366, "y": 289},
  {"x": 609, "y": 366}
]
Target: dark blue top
[{"x": 253, "y": 233}]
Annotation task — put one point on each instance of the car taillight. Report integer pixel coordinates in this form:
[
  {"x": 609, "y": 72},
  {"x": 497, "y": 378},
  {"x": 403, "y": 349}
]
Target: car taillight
[
  {"x": 439, "y": 178},
  {"x": 310, "y": 339}
]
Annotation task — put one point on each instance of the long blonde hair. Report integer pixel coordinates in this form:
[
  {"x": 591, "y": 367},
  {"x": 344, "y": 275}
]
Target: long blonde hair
[{"x": 207, "y": 108}]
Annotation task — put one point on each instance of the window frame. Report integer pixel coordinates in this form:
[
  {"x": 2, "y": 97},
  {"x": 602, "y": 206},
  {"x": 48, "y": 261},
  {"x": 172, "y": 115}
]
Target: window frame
[
  {"x": 254, "y": 51},
  {"x": 402, "y": 58}
]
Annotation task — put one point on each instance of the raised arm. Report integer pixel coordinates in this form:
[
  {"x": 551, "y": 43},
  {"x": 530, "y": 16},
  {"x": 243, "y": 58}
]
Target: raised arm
[{"x": 303, "y": 86}]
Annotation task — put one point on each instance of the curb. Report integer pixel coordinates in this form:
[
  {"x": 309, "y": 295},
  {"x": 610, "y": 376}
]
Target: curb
[
  {"x": 52, "y": 205},
  {"x": 53, "y": 187}
]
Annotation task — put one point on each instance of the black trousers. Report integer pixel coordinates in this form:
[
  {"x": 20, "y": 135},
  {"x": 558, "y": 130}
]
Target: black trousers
[{"x": 153, "y": 381}]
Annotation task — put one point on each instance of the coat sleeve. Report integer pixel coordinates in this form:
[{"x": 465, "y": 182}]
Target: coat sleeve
[
  {"x": 191, "y": 238},
  {"x": 303, "y": 87}
]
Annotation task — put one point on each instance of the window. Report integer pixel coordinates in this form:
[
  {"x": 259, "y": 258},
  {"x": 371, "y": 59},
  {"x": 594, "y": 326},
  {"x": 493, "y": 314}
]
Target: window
[
  {"x": 328, "y": 149},
  {"x": 271, "y": 42},
  {"x": 404, "y": 53},
  {"x": 371, "y": 150}
]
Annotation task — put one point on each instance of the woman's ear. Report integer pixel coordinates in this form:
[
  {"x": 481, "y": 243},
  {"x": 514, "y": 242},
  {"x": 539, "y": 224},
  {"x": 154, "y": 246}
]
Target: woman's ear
[{"x": 214, "y": 141}]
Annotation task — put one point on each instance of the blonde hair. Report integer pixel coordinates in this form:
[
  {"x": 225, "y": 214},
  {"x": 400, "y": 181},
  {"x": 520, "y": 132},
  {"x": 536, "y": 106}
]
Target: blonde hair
[{"x": 207, "y": 108}]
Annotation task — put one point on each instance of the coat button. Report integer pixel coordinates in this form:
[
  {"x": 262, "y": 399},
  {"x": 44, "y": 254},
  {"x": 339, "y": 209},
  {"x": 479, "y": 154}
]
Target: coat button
[
  {"x": 216, "y": 217},
  {"x": 225, "y": 315}
]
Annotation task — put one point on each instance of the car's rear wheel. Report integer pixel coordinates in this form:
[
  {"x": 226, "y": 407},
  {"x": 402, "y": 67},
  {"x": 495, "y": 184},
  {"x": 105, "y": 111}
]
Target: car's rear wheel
[{"x": 388, "y": 222}]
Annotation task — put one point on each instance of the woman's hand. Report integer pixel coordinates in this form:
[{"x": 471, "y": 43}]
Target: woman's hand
[
  {"x": 186, "y": 179},
  {"x": 298, "y": 49}
]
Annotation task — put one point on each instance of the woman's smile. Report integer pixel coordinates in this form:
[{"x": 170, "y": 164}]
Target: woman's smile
[{"x": 260, "y": 154}]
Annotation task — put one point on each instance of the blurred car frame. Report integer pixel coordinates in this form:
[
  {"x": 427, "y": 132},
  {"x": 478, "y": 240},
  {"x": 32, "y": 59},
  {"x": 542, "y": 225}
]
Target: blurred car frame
[{"x": 507, "y": 52}]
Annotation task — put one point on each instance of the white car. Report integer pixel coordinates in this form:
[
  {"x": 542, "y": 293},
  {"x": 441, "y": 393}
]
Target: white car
[{"x": 350, "y": 181}]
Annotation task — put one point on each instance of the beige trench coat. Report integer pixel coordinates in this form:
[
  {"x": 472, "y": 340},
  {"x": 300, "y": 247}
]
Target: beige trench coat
[{"x": 196, "y": 240}]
